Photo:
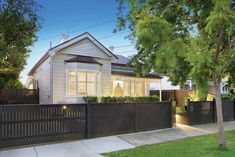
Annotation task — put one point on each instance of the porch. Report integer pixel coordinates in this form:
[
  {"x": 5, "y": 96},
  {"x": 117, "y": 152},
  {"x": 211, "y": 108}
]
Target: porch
[{"x": 127, "y": 85}]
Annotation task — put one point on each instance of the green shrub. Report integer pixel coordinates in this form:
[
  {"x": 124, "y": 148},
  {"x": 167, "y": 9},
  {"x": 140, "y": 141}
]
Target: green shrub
[
  {"x": 129, "y": 99},
  {"x": 227, "y": 97},
  {"x": 90, "y": 99},
  {"x": 107, "y": 99},
  {"x": 147, "y": 99}
]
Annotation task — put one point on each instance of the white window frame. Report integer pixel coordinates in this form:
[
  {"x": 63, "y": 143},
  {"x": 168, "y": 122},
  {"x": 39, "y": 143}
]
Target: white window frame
[
  {"x": 97, "y": 82},
  {"x": 67, "y": 81}
]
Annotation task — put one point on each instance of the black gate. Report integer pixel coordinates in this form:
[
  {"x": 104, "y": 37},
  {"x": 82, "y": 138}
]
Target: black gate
[
  {"x": 151, "y": 116},
  {"x": 200, "y": 112},
  {"x": 228, "y": 108},
  {"x": 110, "y": 119}
]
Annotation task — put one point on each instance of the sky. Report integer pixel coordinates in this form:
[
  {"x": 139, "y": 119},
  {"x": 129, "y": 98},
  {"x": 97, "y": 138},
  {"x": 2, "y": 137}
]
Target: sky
[{"x": 74, "y": 17}]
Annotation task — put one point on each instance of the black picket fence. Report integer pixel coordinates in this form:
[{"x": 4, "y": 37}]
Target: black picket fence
[
  {"x": 33, "y": 124},
  {"x": 202, "y": 112}
]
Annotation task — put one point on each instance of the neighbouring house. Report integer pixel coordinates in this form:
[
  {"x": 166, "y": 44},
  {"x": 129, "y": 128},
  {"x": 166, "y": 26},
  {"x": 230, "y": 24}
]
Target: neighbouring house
[
  {"x": 82, "y": 66},
  {"x": 224, "y": 88}
]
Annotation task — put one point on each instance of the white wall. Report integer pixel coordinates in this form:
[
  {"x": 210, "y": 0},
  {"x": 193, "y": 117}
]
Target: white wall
[
  {"x": 85, "y": 48},
  {"x": 42, "y": 76}
]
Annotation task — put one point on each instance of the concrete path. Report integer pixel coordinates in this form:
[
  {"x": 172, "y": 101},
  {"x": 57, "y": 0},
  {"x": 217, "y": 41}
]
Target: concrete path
[
  {"x": 83, "y": 148},
  {"x": 94, "y": 147}
]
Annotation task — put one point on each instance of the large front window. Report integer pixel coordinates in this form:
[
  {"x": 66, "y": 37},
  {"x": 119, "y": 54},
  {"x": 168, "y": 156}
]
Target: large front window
[
  {"x": 82, "y": 83},
  {"x": 128, "y": 87}
]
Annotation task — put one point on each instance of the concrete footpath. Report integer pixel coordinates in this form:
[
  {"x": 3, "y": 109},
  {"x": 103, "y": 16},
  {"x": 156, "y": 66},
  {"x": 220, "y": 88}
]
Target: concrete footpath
[{"x": 94, "y": 147}]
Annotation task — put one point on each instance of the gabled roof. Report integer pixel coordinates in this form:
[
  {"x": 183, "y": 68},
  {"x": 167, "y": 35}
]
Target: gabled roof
[
  {"x": 69, "y": 42},
  {"x": 79, "y": 38}
]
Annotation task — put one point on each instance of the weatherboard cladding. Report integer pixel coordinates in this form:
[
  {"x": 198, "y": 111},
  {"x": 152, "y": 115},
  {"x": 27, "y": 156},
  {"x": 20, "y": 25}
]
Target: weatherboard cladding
[
  {"x": 42, "y": 75},
  {"x": 59, "y": 76},
  {"x": 85, "y": 48}
]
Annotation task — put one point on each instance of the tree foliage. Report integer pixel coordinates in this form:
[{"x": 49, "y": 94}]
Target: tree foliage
[
  {"x": 183, "y": 39},
  {"x": 19, "y": 23}
]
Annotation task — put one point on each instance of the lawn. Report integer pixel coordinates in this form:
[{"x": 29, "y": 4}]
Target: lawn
[{"x": 201, "y": 146}]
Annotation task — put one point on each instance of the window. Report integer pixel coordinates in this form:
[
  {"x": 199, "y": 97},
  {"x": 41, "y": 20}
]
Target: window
[
  {"x": 139, "y": 89},
  {"x": 71, "y": 83},
  {"x": 91, "y": 80},
  {"x": 82, "y": 83},
  {"x": 126, "y": 88},
  {"x": 118, "y": 88},
  {"x": 133, "y": 88}
]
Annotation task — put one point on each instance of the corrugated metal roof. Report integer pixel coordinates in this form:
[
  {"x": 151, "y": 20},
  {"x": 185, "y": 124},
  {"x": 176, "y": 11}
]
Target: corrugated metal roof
[
  {"x": 121, "y": 60},
  {"x": 119, "y": 67}
]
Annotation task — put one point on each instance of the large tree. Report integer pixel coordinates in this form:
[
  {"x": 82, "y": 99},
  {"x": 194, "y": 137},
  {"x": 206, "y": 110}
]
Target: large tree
[
  {"x": 183, "y": 39},
  {"x": 19, "y": 23}
]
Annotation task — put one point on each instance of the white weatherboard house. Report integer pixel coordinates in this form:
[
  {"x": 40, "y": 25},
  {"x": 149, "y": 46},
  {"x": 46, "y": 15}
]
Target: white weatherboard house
[{"x": 82, "y": 66}]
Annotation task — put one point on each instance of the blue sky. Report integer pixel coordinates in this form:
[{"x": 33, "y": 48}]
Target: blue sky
[{"x": 77, "y": 16}]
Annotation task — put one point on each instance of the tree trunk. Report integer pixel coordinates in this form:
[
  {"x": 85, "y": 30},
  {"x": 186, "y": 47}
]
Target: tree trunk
[{"x": 221, "y": 137}]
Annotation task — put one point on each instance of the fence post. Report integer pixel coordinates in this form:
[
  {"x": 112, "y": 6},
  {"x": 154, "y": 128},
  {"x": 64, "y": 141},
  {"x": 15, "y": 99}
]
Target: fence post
[
  {"x": 1, "y": 112},
  {"x": 214, "y": 110},
  {"x": 188, "y": 111},
  {"x": 234, "y": 108},
  {"x": 172, "y": 113},
  {"x": 38, "y": 96},
  {"x": 135, "y": 117},
  {"x": 88, "y": 120}
]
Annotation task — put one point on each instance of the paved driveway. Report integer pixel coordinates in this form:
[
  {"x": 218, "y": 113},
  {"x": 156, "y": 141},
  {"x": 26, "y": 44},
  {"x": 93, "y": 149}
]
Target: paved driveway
[{"x": 94, "y": 147}]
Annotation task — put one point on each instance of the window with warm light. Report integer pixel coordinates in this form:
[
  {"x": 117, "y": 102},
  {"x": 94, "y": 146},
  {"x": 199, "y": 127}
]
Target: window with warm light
[
  {"x": 132, "y": 89},
  {"x": 118, "y": 88},
  {"x": 83, "y": 83},
  {"x": 128, "y": 87},
  {"x": 139, "y": 89},
  {"x": 91, "y": 84},
  {"x": 71, "y": 83}
]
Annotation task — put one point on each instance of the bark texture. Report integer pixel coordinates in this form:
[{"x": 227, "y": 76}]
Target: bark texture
[{"x": 218, "y": 101}]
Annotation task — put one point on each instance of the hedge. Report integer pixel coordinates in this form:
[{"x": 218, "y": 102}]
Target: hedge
[
  {"x": 227, "y": 97},
  {"x": 90, "y": 99},
  {"x": 124, "y": 99}
]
